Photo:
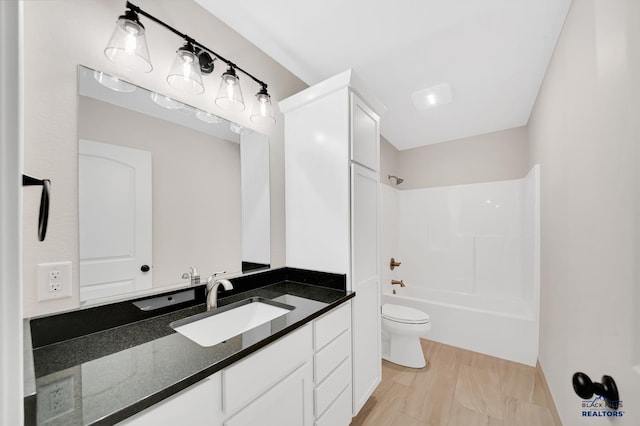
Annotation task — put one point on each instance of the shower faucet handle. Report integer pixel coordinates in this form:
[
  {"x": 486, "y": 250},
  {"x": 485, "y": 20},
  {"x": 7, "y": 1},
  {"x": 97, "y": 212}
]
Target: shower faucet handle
[{"x": 393, "y": 264}]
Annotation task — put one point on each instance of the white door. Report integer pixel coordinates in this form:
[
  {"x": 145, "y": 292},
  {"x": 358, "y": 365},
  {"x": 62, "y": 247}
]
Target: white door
[
  {"x": 365, "y": 281},
  {"x": 115, "y": 219}
]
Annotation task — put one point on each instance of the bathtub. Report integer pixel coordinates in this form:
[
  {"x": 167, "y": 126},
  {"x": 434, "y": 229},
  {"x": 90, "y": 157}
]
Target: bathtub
[{"x": 504, "y": 328}]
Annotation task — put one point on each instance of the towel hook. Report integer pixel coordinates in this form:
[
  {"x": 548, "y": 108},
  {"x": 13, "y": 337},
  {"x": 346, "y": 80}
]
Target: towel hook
[{"x": 43, "y": 218}]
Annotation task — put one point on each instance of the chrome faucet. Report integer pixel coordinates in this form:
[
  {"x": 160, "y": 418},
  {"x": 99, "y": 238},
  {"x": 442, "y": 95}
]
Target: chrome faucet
[
  {"x": 212, "y": 289},
  {"x": 193, "y": 276}
]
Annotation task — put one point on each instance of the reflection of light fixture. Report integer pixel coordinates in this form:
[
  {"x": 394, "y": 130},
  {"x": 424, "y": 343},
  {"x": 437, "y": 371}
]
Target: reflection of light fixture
[
  {"x": 229, "y": 95},
  {"x": 207, "y": 117},
  {"x": 128, "y": 45},
  {"x": 263, "y": 110},
  {"x": 185, "y": 72},
  {"x": 238, "y": 129},
  {"x": 165, "y": 101},
  {"x": 113, "y": 82}
]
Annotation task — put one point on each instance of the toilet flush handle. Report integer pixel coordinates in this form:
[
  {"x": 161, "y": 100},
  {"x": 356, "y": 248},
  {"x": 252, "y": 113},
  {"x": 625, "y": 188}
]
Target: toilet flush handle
[{"x": 393, "y": 264}]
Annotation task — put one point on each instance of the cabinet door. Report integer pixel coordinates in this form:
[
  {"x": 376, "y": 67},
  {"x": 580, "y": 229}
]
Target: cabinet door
[
  {"x": 365, "y": 134},
  {"x": 198, "y": 405},
  {"x": 289, "y": 403},
  {"x": 366, "y": 283}
]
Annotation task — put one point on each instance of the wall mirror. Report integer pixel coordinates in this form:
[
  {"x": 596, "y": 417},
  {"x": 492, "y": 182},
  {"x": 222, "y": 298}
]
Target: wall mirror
[{"x": 163, "y": 187}]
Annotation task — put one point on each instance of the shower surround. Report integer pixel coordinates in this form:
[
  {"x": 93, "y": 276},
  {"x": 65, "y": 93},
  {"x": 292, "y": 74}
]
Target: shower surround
[{"x": 470, "y": 259}]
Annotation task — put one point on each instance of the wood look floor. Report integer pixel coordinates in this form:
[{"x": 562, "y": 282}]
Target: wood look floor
[{"x": 459, "y": 388}]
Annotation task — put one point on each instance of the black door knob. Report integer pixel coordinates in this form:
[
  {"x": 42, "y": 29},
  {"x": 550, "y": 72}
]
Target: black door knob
[
  {"x": 145, "y": 268},
  {"x": 585, "y": 388}
]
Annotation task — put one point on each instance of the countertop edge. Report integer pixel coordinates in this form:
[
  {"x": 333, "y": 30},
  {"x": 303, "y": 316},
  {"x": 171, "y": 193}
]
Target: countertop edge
[{"x": 171, "y": 390}]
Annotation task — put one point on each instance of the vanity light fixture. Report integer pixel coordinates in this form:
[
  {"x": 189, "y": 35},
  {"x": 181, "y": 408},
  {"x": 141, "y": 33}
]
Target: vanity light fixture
[
  {"x": 263, "y": 110},
  {"x": 230, "y": 95},
  {"x": 185, "y": 71},
  {"x": 128, "y": 46}
]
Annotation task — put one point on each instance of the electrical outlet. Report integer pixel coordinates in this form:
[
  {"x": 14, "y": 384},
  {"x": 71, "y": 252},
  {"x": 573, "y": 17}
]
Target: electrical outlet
[
  {"x": 54, "y": 280},
  {"x": 55, "y": 399}
]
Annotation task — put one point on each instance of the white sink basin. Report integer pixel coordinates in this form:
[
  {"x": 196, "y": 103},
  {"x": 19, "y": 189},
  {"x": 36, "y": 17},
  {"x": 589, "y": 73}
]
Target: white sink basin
[{"x": 213, "y": 327}]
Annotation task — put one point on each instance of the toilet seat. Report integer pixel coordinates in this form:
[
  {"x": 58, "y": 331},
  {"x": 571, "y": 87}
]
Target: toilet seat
[{"x": 404, "y": 314}]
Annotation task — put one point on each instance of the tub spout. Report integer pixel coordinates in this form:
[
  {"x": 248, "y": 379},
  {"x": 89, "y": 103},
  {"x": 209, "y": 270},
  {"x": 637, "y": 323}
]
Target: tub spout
[{"x": 396, "y": 282}]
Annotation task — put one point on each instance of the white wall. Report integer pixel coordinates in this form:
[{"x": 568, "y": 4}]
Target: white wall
[
  {"x": 389, "y": 197},
  {"x": 59, "y": 35},
  {"x": 255, "y": 199},
  {"x": 585, "y": 132},
  {"x": 11, "y": 384},
  {"x": 464, "y": 238}
]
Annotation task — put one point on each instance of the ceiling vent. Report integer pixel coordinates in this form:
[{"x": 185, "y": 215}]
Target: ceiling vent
[{"x": 432, "y": 96}]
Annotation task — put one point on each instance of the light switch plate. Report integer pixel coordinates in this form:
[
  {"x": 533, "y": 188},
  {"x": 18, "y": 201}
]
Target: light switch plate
[{"x": 54, "y": 280}]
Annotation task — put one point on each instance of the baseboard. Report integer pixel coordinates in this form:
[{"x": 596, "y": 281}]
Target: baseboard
[{"x": 551, "y": 404}]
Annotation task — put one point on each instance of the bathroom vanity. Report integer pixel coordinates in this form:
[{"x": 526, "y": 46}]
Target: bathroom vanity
[{"x": 122, "y": 363}]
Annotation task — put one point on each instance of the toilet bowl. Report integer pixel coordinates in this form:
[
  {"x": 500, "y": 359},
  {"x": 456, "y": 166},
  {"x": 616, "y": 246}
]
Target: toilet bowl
[{"x": 402, "y": 327}]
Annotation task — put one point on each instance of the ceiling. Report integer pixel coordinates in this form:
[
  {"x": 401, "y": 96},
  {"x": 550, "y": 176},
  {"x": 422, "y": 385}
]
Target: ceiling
[{"x": 493, "y": 54}]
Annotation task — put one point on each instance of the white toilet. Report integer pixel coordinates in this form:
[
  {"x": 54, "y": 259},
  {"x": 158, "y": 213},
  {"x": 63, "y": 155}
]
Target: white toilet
[{"x": 402, "y": 327}]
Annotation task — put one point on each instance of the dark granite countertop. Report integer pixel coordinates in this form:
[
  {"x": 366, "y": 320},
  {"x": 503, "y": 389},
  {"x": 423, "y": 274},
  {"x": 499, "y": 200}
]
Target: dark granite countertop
[{"x": 117, "y": 372}]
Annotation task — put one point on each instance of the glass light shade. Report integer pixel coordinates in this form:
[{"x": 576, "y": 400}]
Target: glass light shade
[
  {"x": 207, "y": 117},
  {"x": 113, "y": 82},
  {"x": 128, "y": 45},
  {"x": 229, "y": 95},
  {"x": 262, "y": 112},
  {"x": 185, "y": 72},
  {"x": 165, "y": 101}
]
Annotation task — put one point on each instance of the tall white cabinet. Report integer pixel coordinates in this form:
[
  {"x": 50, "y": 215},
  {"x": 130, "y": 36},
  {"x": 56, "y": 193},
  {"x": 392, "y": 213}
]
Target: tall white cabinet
[{"x": 332, "y": 140}]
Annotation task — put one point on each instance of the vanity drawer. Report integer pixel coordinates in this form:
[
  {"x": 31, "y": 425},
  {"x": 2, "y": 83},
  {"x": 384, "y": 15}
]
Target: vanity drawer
[
  {"x": 246, "y": 380},
  {"x": 327, "y": 359},
  {"x": 339, "y": 413},
  {"x": 328, "y": 327},
  {"x": 326, "y": 392}
]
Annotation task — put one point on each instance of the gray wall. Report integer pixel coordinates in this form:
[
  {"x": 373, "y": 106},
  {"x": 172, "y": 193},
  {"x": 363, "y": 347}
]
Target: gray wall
[
  {"x": 585, "y": 133},
  {"x": 388, "y": 160},
  {"x": 495, "y": 156},
  {"x": 193, "y": 175}
]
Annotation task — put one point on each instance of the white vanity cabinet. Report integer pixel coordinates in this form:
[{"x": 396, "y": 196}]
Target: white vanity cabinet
[
  {"x": 197, "y": 405},
  {"x": 332, "y": 368},
  {"x": 332, "y": 144},
  {"x": 298, "y": 380}
]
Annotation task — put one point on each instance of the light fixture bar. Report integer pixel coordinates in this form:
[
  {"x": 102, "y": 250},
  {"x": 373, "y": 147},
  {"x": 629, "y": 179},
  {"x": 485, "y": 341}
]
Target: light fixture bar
[{"x": 137, "y": 9}]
